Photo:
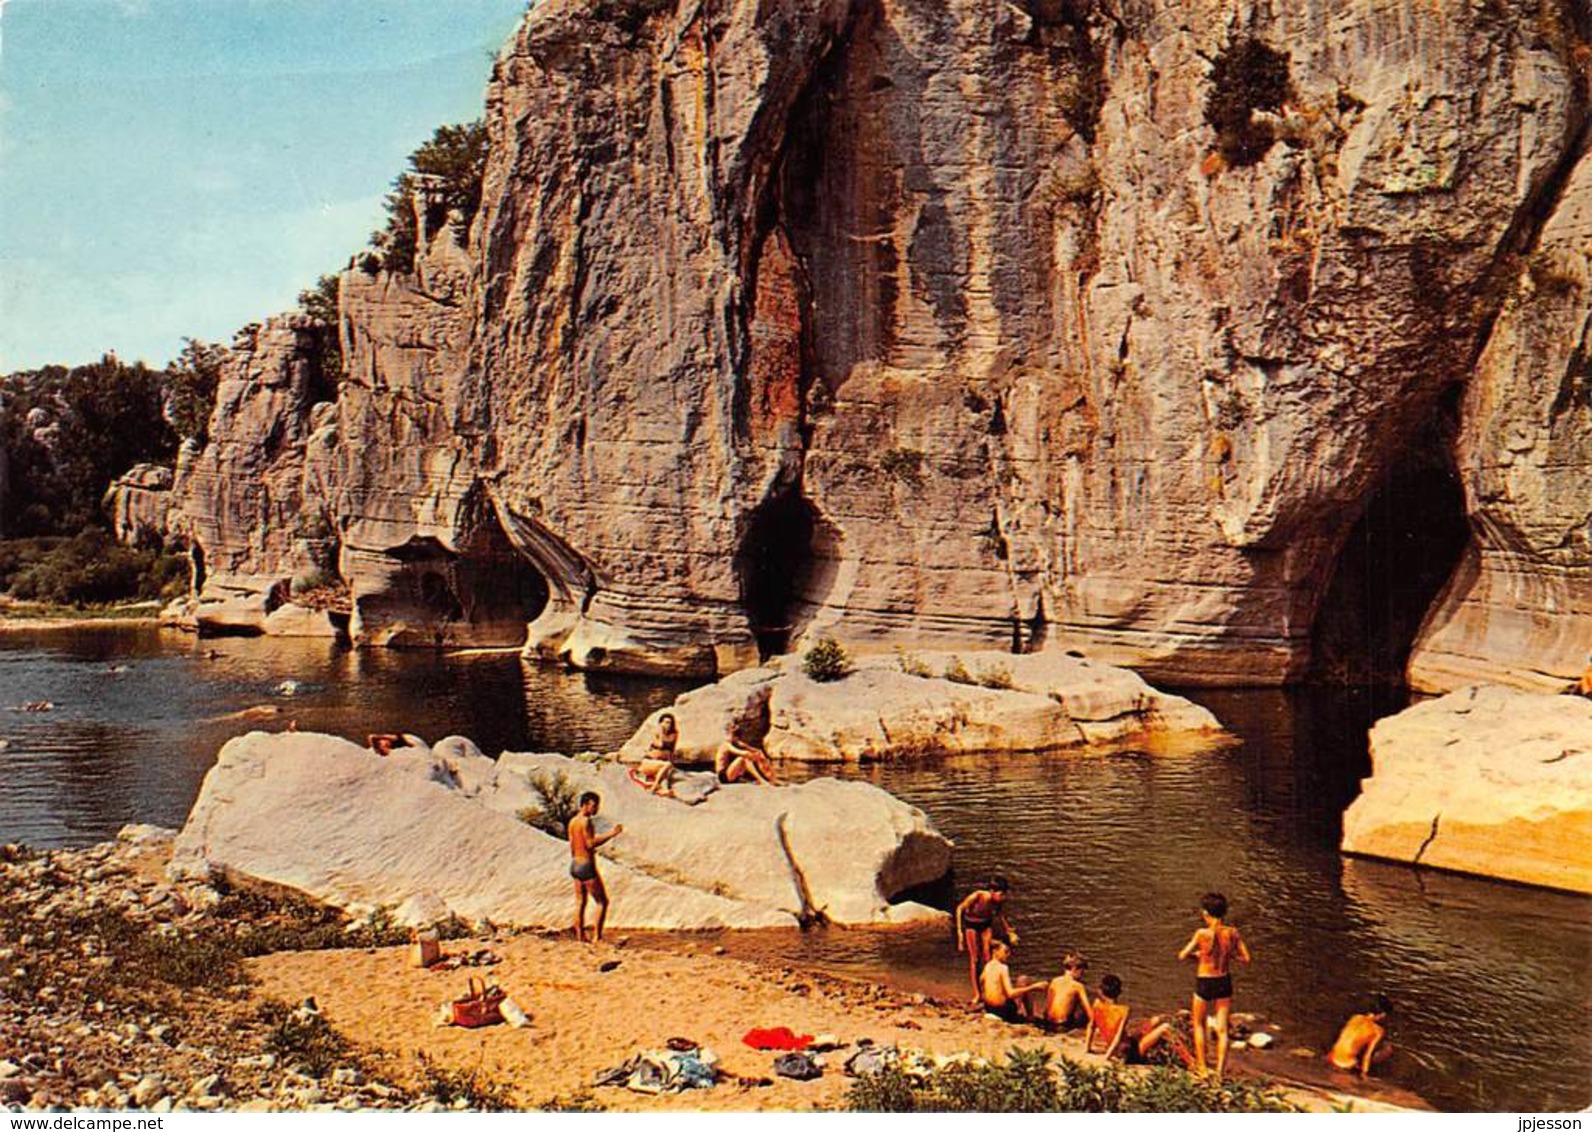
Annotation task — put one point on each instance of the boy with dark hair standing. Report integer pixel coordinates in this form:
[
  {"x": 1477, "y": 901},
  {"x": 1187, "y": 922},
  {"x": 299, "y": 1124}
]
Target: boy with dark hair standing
[
  {"x": 976, "y": 917},
  {"x": 1215, "y": 945},
  {"x": 583, "y": 843}
]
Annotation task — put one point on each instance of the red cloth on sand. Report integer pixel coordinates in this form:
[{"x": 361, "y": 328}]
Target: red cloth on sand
[{"x": 780, "y": 1037}]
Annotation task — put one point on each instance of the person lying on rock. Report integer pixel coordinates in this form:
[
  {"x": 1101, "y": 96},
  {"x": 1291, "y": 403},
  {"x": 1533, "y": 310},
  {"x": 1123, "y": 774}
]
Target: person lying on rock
[
  {"x": 1067, "y": 1002},
  {"x": 1000, "y": 996},
  {"x": 1360, "y": 1043},
  {"x": 1108, "y": 1027},
  {"x": 742, "y": 755},
  {"x": 656, "y": 771},
  {"x": 385, "y": 743},
  {"x": 976, "y": 917},
  {"x": 584, "y": 841}
]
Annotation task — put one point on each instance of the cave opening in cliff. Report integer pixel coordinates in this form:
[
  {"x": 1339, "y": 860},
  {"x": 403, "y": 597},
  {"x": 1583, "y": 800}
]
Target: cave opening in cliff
[
  {"x": 784, "y": 566},
  {"x": 500, "y": 590},
  {"x": 1392, "y": 567}
]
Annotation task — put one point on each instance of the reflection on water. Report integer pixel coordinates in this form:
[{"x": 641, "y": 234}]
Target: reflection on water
[
  {"x": 1108, "y": 853},
  {"x": 134, "y": 745}
]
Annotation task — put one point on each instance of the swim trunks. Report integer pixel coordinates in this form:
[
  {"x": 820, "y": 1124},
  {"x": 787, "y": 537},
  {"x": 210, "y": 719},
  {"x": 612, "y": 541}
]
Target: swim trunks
[
  {"x": 1213, "y": 988},
  {"x": 583, "y": 870},
  {"x": 1006, "y": 1011},
  {"x": 971, "y": 925}
]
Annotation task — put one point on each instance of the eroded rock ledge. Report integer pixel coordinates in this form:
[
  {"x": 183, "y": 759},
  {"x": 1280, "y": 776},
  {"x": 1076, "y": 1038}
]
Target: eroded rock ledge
[
  {"x": 904, "y": 708},
  {"x": 433, "y": 831},
  {"x": 1486, "y": 780}
]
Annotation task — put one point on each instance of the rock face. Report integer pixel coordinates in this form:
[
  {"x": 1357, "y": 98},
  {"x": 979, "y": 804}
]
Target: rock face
[
  {"x": 1487, "y": 780},
  {"x": 436, "y": 828},
  {"x": 1042, "y": 702},
  {"x": 960, "y": 324},
  {"x": 1519, "y": 609},
  {"x": 139, "y": 503}
]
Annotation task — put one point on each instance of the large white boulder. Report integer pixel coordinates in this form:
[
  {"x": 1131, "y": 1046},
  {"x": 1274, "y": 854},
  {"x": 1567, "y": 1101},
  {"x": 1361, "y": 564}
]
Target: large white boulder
[
  {"x": 881, "y": 712},
  {"x": 436, "y": 826},
  {"x": 1485, "y": 780}
]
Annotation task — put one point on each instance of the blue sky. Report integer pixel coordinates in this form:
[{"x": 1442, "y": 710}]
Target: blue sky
[{"x": 174, "y": 168}]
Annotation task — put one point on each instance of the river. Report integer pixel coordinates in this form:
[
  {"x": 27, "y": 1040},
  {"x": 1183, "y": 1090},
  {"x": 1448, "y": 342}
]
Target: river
[{"x": 1107, "y": 853}]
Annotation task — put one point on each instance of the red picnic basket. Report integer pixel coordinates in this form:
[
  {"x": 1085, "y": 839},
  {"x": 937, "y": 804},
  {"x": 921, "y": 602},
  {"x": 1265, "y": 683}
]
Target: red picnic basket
[{"x": 481, "y": 1007}]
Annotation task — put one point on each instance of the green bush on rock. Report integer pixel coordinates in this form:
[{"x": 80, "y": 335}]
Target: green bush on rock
[{"x": 826, "y": 661}]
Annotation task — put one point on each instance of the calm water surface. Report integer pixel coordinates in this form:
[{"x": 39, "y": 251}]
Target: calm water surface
[{"x": 1108, "y": 853}]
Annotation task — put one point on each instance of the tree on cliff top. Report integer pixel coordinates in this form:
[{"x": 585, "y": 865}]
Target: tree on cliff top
[
  {"x": 445, "y": 174},
  {"x": 320, "y": 301}
]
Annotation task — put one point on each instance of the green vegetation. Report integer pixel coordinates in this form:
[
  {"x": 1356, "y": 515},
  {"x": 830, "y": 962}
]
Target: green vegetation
[
  {"x": 320, "y": 301},
  {"x": 996, "y": 676},
  {"x": 477, "y": 1090},
  {"x": 826, "y": 661},
  {"x": 910, "y": 664},
  {"x": 303, "y": 1040},
  {"x": 67, "y": 433},
  {"x": 445, "y": 174},
  {"x": 1033, "y": 1081},
  {"x": 956, "y": 672},
  {"x": 1248, "y": 76},
  {"x": 89, "y": 569},
  {"x": 191, "y": 383},
  {"x": 556, "y": 802}
]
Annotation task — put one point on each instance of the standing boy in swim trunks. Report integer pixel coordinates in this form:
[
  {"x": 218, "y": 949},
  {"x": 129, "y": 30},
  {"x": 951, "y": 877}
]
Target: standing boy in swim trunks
[
  {"x": 1216, "y": 945},
  {"x": 583, "y": 843},
  {"x": 975, "y": 922}
]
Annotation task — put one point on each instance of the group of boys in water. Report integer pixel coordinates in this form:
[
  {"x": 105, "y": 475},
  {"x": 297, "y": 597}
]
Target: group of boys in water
[{"x": 1064, "y": 1002}]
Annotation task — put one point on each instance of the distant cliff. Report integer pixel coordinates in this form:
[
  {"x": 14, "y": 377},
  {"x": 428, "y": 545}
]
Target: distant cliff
[{"x": 1237, "y": 343}]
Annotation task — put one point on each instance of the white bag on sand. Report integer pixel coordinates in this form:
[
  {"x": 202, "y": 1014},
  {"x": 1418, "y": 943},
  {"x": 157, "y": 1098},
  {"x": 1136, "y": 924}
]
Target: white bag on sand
[{"x": 513, "y": 1015}]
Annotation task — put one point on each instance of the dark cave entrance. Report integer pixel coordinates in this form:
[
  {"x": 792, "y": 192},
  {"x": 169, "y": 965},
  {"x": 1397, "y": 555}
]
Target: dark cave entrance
[
  {"x": 781, "y": 564},
  {"x": 1392, "y": 567},
  {"x": 497, "y": 585}
]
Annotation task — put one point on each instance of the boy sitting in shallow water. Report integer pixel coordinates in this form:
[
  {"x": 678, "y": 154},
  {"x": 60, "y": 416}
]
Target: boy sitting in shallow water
[
  {"x": 1067, "y": 1002},
  {"x": 1108, "y": 1027},
  {"x": 999, "y": 995}
]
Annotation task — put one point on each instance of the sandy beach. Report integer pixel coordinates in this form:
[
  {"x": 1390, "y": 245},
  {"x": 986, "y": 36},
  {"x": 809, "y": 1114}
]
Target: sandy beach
[{"x": 585, "y": 1020}]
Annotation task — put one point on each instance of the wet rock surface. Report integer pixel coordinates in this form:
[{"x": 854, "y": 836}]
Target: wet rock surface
[{"x": 1486, "y": 780}]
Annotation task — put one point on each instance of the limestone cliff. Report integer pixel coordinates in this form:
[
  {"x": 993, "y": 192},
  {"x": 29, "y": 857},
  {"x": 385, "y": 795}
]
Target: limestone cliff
[{"x": 969, "y": 322}]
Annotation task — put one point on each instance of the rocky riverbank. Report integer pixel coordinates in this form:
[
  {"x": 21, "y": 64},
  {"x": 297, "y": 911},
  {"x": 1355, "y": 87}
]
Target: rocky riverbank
[{"x": 124, "y": 989}]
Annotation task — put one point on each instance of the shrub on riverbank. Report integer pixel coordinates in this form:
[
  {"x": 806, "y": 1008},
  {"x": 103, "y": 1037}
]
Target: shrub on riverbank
[
  {"x": 1035, "y": 1081},
  {"x": 90, "y": 568}
]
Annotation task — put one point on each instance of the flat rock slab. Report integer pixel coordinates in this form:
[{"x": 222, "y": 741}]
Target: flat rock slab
[
  {"x": 1486, "y": 780},
  {"x": 881, "y": 712},
  {"x": 435, "y": 829}
]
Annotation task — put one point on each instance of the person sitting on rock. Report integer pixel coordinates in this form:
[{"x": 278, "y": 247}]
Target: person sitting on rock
[
  {"x": 1067, "y": 1003},
  {"x": 1108, "y": 1027},
  {"x": 656, "y": 771},
  {"x": 998, "y": 994},
  {"x": 742, "y": 756},
  {"x": 1360, "y": 1043}
]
